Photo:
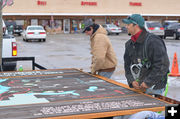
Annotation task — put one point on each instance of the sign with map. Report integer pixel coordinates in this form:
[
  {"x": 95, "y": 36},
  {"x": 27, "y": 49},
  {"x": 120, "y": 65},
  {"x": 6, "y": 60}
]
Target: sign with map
[{"x": 67, "y": 93}]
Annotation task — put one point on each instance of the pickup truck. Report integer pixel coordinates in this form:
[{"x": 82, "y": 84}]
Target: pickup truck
[{"x": 9, "y": 50}]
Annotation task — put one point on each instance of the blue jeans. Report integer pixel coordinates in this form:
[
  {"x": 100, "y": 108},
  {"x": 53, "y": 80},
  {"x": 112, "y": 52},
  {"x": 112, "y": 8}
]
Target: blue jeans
[
  {"x": 147, "y": 115},
  {"x": 152, "y": 91},
  {"x": 106, "y": 74},
  {"x": 142, "y": 115}
]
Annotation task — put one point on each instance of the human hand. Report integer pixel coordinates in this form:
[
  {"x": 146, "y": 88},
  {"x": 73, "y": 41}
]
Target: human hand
[
  {"x": 94, "y": 73},
  {"x": 143, "y": 86},
  {"x": 135, "y": 85}
]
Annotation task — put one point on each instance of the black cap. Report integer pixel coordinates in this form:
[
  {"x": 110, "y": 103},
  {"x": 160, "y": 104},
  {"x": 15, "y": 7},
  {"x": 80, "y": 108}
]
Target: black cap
[{"x": 87, "y": 23}]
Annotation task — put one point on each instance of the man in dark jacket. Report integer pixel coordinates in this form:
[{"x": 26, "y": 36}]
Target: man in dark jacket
[{"x": 146, "y": 61}]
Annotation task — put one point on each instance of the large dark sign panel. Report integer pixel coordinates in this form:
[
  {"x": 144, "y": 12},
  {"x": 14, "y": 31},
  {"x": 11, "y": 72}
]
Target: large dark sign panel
[{"x": 58, "y": 93}]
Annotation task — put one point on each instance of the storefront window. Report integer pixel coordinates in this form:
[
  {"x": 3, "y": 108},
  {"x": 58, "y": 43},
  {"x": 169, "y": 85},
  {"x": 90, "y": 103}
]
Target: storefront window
[
  {"x": 80, "y": 24},
  {"x": 19, "y": 22},
  {"x": 107, "y": 20},
  {"x": 66, "y": 26},
  {"x": 54, "y": 26},
  {"x": 115, "y": 22},
  {"x": 58, "y": 26},
  {"x": 45, "y": 24},
  {"x": 58, "y": 23},
  {"x": 75, "y": 25},
  {"x": 34, "y": 21}
]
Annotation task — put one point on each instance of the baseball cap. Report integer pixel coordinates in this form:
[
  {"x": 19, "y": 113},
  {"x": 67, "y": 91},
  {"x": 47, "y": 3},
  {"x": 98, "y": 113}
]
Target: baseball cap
[
  {"x": 86, "y": 24},
  {"x": 135, "y": 19}
]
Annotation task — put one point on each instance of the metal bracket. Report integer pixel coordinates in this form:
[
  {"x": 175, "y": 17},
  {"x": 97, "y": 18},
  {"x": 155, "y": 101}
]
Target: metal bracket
[{"x": 23, "y": 59}]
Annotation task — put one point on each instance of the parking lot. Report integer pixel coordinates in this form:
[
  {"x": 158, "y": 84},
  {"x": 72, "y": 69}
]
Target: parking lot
[{"x": 73, "y": 51}]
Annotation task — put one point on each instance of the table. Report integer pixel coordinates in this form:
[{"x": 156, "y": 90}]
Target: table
[{"x": 68, "y": 93}]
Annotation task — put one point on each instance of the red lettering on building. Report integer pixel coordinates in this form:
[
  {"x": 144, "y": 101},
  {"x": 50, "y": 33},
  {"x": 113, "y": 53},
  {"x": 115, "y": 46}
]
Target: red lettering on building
[
  {"x": 135, "y": 3},
  {"x": 88, "y": 3},
  {"x": 43, "y": 3}
]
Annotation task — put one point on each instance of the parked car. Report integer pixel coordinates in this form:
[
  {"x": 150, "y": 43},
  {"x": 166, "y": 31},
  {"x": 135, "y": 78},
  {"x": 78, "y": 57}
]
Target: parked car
[
  {"x": 166, "y": 23},
  {"x": 34, "y": 32},
  {"x": 112, "y": 29},
  {"x": 13, "y": 28},
  {"x": 18, "y": 29},
  {"x": 173, "y": 30},
  {"x": 155, "y": 27},
  {"x": 124, "y": 29}
]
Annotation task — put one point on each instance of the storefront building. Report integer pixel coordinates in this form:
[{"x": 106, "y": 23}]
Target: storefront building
[{"x": 66, "y": 16}]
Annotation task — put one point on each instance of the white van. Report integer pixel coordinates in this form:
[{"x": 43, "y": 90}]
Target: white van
[{"x": 154, "y": 27}]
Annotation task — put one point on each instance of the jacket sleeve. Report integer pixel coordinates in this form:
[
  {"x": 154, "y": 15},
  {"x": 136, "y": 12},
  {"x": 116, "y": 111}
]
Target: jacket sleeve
[
  {"x": 127, "y": 64},
  {"x": 159, "y": 61},
  {"x": 98, "y": 51}
]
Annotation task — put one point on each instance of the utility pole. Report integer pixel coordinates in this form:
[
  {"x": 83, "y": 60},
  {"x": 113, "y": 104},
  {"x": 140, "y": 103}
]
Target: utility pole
[{"x": 3, "y": 3}]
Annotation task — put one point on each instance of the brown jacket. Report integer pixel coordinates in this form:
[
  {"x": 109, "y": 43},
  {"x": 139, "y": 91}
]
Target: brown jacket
[{"x": 103, "y": 55}]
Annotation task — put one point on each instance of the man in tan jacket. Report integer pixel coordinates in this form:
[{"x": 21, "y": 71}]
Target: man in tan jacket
[{"x": 104, "y": 59}]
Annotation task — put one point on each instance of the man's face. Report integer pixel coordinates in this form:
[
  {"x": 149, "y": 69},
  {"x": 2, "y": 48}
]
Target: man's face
[
  {"x": 89, "y": 32},
  {"x": 131, "y": 28}
]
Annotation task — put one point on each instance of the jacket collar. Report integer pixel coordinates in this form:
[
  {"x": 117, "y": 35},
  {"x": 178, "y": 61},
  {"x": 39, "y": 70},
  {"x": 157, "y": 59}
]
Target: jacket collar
[
  {"x": 136, "y": 36},
  {"x": 142, "y": 36},
  {"x": 100, "y": 29}
]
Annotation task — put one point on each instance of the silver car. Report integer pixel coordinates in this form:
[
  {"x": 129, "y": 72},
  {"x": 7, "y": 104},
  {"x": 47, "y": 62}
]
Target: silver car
[
  {"x": 112, "y": 29},
  {"x": 154, "y": 27}
]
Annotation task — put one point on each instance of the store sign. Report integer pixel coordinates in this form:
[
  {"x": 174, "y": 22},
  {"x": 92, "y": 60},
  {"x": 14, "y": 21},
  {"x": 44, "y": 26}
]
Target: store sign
[
  {"x": 83, "y": 3},
  {"x": 43, "y": 3},
  {"x": 135, "y": 3}
]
